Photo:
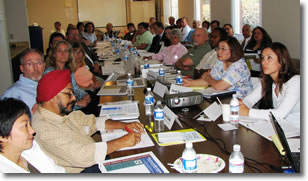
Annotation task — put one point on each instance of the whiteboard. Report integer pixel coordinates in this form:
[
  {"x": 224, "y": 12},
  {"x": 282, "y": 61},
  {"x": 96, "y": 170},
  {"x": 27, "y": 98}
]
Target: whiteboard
[{"x": 101, "y": 12}]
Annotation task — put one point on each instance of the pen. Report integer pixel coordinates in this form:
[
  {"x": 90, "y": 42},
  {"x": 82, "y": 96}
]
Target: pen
[
  {"x": 186, "y": 77},
  {"x": 128, "y": 130}
]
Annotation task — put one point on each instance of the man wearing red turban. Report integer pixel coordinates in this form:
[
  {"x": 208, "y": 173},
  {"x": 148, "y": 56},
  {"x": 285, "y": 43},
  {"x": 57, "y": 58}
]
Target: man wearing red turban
[{"x": 65, "y": 135}]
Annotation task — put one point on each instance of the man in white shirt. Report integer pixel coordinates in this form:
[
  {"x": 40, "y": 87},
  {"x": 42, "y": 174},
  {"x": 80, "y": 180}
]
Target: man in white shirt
[
  {"x": 229, "y": 30},
  {"x": 58, "y": 28},
  {"x": 246, "y": 31},
  {"x": 185, "y": 28}
]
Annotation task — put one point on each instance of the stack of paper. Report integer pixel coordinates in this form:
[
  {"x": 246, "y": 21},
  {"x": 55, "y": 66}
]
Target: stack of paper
[{"x": 121, "y": 111}]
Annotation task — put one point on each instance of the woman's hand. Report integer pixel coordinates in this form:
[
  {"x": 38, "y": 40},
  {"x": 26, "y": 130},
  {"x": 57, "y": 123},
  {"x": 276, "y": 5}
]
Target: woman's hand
[{"x": 244, "y": 110}]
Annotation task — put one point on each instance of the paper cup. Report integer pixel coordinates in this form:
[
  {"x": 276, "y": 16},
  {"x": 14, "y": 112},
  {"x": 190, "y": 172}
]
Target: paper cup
[{"x": 225, "y": 112}]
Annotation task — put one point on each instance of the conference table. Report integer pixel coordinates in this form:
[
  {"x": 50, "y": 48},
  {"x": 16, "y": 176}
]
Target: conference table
[{"x": 260, "y": 154}]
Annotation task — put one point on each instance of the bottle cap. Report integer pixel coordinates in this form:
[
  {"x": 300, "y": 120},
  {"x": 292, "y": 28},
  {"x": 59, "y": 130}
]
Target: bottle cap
[
  {"x": 188, "y": 145},
  {"x": 129, "y": 74},
  {"x": 179, "y": 71},
  {"x": 149, "y": 89},
  {"x": 236, "y": 147},
  {"x": 234, "y": 96},
  {"x": 158, "y": 102}
]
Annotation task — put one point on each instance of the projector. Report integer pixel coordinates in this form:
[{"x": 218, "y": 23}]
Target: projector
[{"x": 183, "y": 99}]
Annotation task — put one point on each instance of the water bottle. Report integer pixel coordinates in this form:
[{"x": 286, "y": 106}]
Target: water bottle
[
  {"x": 236, "y": 160},
  {"x": 126, "y": 55},
  {"x": 149, "y": 102},
  {"x": 130, "y": 84},
  {"x": 158, "y": 117},
  {"x": 162, "y": 73},
  {"x": 179, "y": 78},
  {"x": 146, "y": 64},
  {"x": 234, "y": 110},
  {"x": 189, "y": 159}
]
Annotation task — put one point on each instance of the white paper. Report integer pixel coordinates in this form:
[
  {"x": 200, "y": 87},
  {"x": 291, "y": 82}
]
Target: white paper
[
  {"x": 160, "y": 89},
  {"x": 169, "y": 117},
  {"x": 175, "y": 89},
  {"x": 120, "y": 112},
  {"x": 213, "y": 111},
  {"x": 108, "y": 135},
  {"x": 172, "y": 137},
  {"x": 227, "y": 127}
]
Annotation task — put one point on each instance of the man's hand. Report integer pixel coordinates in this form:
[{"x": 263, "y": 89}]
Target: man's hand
[{"x": 136, "y": 126}]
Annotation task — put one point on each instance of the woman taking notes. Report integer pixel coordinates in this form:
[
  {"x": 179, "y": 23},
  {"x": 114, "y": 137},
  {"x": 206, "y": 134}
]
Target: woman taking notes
[
  {"x": 230, "y": 71},
  {"x": 279, "y": 90}
]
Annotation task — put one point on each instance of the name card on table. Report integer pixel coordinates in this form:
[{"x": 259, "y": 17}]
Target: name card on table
[
  {"x": 160, "y": 89},
  {"x": 175, "y": 89},
  {"x": 170, "y": 117},
  {"x": 211, "y": 113}
]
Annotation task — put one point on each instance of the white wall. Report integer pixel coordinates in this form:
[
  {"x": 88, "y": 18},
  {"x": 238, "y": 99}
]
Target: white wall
[
  {"x": 281, "y": 19},
  {"x": 6, "y": 77},
  {"x": 17, "y": 20}
]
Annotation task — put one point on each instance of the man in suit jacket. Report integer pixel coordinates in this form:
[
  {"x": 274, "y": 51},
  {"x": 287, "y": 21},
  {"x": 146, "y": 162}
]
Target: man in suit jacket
[{"x": 159, "y": 39}]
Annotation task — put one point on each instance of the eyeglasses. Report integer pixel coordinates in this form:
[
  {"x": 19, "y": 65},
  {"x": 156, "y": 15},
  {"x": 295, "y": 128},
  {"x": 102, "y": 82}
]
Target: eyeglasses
[
  {"x": 71, "y": 95},
  {"x": 222, "y": 49},
  {"x": 31, "y": 64}
]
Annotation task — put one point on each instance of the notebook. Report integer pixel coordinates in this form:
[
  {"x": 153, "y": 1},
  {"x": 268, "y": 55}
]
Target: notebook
[{"x": 293, "y": 158}]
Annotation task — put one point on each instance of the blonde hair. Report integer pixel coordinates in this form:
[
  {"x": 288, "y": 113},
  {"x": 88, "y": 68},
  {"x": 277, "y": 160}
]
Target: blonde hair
[{"x": 51, "y": 59}]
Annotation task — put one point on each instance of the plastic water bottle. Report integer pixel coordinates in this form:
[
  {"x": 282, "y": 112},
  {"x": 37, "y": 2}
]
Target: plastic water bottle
[
  {"x": 236, "y": 160},
  {"x": 189, "y": 159},
  {"x": 159, "y": 117},
  {"x": 130, "y": 84},
  {"x": 149, "y": 102},
  {"x": 126, "y": 55},
  {"x": 179, "y": 78},
  {"x": 234, "y": 110},
  {"x": 162, "y": 73},
  {"x": 146, "y": 64}
]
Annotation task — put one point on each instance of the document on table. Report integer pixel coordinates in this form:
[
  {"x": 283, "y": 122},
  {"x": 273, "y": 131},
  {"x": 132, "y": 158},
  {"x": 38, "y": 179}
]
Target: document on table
[
  {"x": 139, "y": 163},
  {"x": 108, "y": 135},
  {"x": 121, "y": 111},
  {"x": 265, "y": 127}
]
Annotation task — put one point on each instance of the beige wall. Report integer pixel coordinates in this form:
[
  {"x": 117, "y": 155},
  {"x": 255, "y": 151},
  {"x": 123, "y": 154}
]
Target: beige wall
[
  {"x": 221, "y": 11},
  {"x": 186, "y": 8},
  {"x": 45, "y": 13}
]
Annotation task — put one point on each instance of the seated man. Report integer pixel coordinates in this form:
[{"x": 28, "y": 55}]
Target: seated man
[
  {"x": 192, "y": 58},
  {"x": 229, "y": 30},
  {"x": 32, "y": 66},
  {"x": 110, "y": 33},
  {"x": 65, "y": 135},
  {"x": 159, "y": 39},
  {"x": 185, "y": 28},
  {"x": 196, "y": 24}
]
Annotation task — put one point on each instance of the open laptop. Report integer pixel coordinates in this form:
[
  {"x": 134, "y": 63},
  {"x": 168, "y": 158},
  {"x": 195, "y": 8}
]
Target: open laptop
[{"x": 293, "y": 158}]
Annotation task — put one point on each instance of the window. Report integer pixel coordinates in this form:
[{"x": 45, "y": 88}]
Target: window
[
  {"x": 170, "y": 9},
  {"x": 205, "y": 10},
  {"x": 246, "y": 12}
]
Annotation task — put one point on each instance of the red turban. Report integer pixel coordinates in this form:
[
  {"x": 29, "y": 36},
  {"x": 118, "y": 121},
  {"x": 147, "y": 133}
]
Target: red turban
[{"x": 51, "y": 84}]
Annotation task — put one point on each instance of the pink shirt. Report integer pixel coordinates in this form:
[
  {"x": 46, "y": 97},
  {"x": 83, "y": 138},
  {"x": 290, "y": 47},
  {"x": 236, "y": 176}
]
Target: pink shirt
[
  {"x": 83, "y": 76},
  {"x": 171, "y": 54}
]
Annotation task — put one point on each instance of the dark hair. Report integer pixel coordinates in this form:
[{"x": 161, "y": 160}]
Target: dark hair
[
  {"x": 169, "y": 27},
  {"x": 207, "y": 23},
  {"x": 86, "y": 25},
  {"x": 159, "y": 24},
  {"x": 286, "y": 72},
  {"x": 267, "y": 40},
  {"x": 57, "y": 22},
  {"x": 235, "y": 49},
  {"x": 54, "y": 35},
  {"x": 144, "y": 25},
  {"x": 10, "y": 110},
  {"x": 79, "y": 24},
  {"x": 222, "y": 32},
  {"x": 130, "y": 24},
  {"x": 227, "y": 25},
  {"x": 30, "y": 50},
  {"x": 217, "y": 22}
]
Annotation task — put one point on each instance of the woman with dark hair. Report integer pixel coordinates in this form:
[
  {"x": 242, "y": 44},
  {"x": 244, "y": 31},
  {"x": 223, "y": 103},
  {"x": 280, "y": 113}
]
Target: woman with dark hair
[
  {"x": 19, "y": 152},
  {"x": 80, "y": 27},
  {"x": 89, "y": 33},
  {"x": 143, "y": 37},
  {"x": 259, "y": 39},
  {"x": 230, "y": 71},
  {"x": 61, "y": 58},
  {"x": 131, "y": 32},
  {"x": 279, "y": 90}
]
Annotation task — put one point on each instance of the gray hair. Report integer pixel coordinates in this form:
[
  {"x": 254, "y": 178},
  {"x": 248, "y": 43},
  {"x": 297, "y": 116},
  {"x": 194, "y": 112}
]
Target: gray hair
[
  {"x": 31, "y": 50},
  {"x": 177, "y": 32}
]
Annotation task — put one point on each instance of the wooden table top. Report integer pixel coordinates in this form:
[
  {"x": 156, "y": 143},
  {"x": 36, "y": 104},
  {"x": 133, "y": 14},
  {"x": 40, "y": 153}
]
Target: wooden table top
[{"x": 253, "y": 146}]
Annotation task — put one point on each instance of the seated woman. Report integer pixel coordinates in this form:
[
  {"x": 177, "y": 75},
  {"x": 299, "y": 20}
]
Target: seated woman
[
  {"x": 61, "y": 58},
  {"x": 279, "y": 90},
  {"x": 143, "y": 37},
  {"x": 230, "y": 71},
  {"x": 84, "y": 78},
  {"x": 259, "y": 39},
  {"x": 131, "y": 32},
  {"x": 89, "y": 34},
  {"x": 19, "y": 152},
  {"x": 170, "y": 55}
]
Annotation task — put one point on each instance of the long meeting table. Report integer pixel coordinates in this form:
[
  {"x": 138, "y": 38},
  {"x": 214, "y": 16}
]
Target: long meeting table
[{"x": 261, "y": 155}]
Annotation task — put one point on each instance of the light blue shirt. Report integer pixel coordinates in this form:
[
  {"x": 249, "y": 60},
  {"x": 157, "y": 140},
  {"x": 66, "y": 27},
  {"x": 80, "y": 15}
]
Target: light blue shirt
[
  {"x": 189, "y": 36},
  {"x": 24, "y": 89}
]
